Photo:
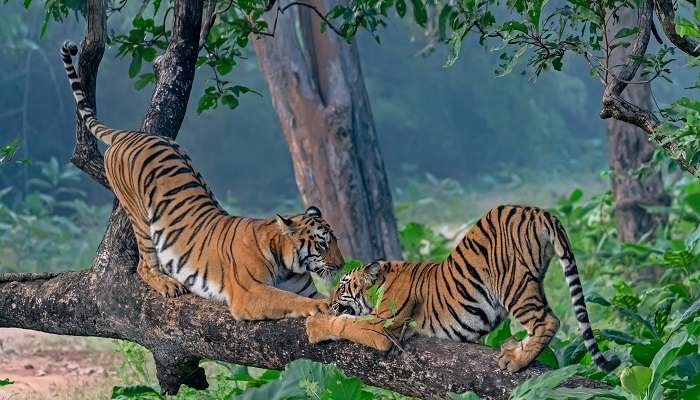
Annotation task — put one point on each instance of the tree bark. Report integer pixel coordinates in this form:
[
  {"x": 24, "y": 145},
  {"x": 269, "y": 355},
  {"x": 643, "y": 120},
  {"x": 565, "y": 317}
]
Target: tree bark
[
  {"x": 629, "y": 148},
  {"x": 181, "y": 331},
  {"x": 318, "y": 92}
]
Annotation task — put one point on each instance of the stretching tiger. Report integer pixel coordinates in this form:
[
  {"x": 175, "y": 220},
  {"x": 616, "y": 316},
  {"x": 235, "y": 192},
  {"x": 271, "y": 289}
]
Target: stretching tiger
[
  {"x": 186, "y": 242},
  {"x": 497, "y": 268}
]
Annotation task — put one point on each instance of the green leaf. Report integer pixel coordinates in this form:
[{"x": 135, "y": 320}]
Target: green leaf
[
  {"x": 687, "y": 316},
  {"x": 135, "y": 392},
  {"x": 664, "y": 359},
  {"x": 340, "y": 387},
  {"x": 443, "y": 20},
  {"x": 229, "y": 100},
  {"x": 644, "y": 353},
  {"x": 455, "y": 43},
  {"x": 143, "y": 80},
  {"x": 548, "y": 358},
  {"x": 5, "y": 382},
  {"x": 625, "y": 32},
  {"x": 135, "y": 65},
  {"x": 534, "y": 12},
  {"x": 557, "y": 63},
  {"x": 596, "y": 298},
  {"x": 685, "y": 27},
  {"x": 575, "y": 195},
  {"x": 510, "y": 26},
  {"x": 693, "y": 200},
  {"x": 533, "y": 388},
  {"x": 148, "y": 53},
  {"x": 401, "y": 8},
  {"x": 224, "y": 66},
  {"x": 620, "y": 337},
  {"x": 375, "y": 294},
  {"x": 301, "y": 379},
  {"x": 499, "y": 334},
  {"x": 206, "y": 102},
  {"x": 636, "y": 379},
  {"x": 510, "y": 61},
  {"x": 468, "y": 395},
  {"x": 689, "y": 366},
  {"x": 419, "y": 12}
]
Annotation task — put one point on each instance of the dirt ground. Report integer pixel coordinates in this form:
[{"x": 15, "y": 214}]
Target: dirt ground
[{"x": 45, "y": 366}]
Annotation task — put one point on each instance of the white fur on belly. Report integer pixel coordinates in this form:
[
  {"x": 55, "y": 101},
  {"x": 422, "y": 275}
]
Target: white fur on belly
[{"x": 197, "y": 285}]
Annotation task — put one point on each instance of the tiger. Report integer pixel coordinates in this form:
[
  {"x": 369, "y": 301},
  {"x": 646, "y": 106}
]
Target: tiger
[
  {"x": 260, "y": 268},
  {"x": 497, "y": 268}
]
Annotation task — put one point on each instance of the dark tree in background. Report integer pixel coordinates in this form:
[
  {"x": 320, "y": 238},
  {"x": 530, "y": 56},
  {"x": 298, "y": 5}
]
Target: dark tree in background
[
  {"x": 318, "y": 91},
  {"x": 628, "y": 149}
]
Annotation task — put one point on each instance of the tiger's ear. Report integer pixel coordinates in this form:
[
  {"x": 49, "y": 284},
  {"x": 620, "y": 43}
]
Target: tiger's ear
[
  {"x": 313, "y": 211},
  {"x": 371, "y": 272},
  {"x": 285, "y": 224}
]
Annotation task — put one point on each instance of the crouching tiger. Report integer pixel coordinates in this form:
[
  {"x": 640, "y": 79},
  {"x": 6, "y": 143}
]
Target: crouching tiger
[
  {"x": 259, "y": 267},
  {"x": 497, "y": 268}
]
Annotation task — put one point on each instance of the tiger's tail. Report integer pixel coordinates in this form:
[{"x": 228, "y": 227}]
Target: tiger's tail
[
  {"x": 87, "y": 114},
  {"x": 562, "y": 248}
]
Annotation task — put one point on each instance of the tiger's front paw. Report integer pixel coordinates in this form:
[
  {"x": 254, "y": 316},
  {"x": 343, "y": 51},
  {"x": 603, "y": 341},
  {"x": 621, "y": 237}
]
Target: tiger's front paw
[
  {"x": 169, "y": 287},
  {"x": 317, "y": 327},
  {"x": 512, "y": 356},
  {"x": 318, "y": 306}
]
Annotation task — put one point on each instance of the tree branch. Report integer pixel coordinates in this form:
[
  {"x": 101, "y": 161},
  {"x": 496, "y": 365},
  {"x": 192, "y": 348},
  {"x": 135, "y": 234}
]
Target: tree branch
[
  {"x": 181, "y": 331},
  {"x": 666, "y": 13},
  {"x": 618, "y": 108},
  {"x": 174, "y": 70},
  {"x": 208, "y": 19},
  {"x": 615, "y": 106}
]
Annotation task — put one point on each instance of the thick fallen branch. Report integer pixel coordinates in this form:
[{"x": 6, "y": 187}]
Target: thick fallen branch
[{"x": 181, "y": 331}]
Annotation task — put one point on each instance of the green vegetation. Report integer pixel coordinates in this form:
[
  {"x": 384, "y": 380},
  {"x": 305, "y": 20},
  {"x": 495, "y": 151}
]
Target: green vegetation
[{"x": 643, "y": 297}]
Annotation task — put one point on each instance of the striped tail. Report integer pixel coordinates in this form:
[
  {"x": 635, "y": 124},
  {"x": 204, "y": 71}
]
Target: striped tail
[
  {"x": 562, "y": 248},
  {"x": 87, "y": 114}
]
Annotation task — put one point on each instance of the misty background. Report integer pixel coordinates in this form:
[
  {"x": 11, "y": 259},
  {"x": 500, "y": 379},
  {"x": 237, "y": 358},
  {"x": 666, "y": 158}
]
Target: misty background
[{"x": 463, "y": 123}]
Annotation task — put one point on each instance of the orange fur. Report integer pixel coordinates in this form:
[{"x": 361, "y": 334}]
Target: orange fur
[
  {"x": 187, "y": 242},
  {"x": 497, "y": 268}
]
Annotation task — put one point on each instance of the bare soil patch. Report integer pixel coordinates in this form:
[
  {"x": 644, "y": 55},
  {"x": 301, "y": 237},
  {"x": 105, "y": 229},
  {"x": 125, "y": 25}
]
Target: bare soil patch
[{"x": 45, "y": 366}]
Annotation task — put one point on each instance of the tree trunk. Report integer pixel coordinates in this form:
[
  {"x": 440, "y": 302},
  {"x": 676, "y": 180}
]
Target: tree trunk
[
  {"x": 318, "y": 92},
  {"x": 628, "y": 148}
]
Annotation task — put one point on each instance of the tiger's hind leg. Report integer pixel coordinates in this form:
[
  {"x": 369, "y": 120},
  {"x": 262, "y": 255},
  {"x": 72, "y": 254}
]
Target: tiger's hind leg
[
  {"x": 148, "y": 270},
  {"x": 533, "y": 313}
]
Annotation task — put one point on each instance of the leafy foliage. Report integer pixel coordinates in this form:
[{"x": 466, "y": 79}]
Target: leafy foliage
[
  {"x": 7, "y": 153},
  {"x": 51, "y": 228},
  {"x": 542, "y": 34}
]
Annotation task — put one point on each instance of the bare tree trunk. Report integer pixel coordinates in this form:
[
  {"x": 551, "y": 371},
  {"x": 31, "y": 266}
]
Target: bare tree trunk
[
  {"x": 628, "y": 148},
  {"x": 318, "y": 92}
]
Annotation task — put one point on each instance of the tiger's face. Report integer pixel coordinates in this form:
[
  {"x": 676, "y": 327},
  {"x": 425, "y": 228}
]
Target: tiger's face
[
  {"x": 350, "y": 296},
  {"x": 314, "y": 246}
]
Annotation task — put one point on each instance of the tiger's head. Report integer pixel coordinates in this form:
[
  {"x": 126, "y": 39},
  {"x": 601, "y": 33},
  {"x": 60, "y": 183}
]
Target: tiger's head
[
  {"x": 350, "y": 296},
  {"x": 314, "y": 247}
]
